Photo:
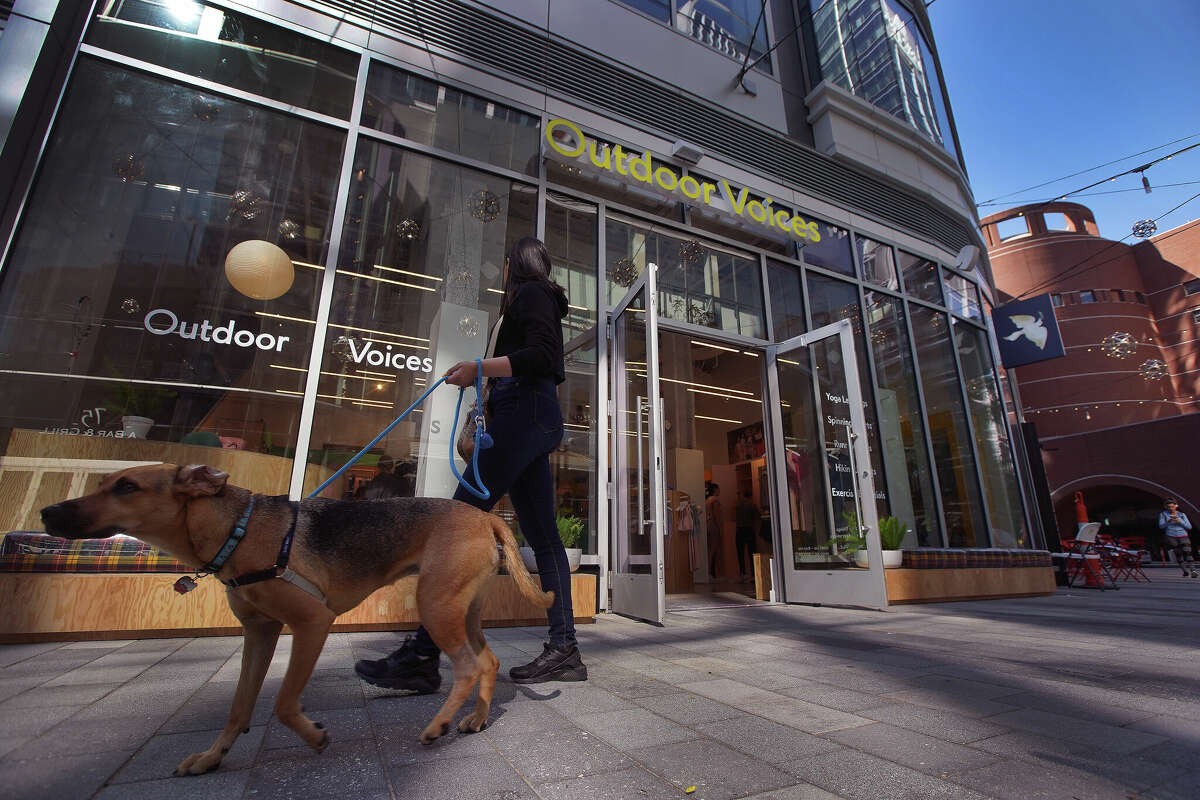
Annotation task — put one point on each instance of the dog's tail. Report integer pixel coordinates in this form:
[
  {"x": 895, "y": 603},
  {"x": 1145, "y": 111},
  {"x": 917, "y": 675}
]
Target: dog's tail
[{"x": 516, "y": 566}]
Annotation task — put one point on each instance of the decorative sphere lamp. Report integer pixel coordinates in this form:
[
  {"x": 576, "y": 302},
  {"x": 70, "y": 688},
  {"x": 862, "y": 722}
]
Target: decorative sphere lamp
[{"x": 260, "y": 270}]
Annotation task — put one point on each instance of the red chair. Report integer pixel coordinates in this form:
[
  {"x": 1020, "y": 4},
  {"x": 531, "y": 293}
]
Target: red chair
[
  {"x": 1138, "y": 552},
  {"x": 1117, "y": 558},
  {"x": 1085, "y": 558}
]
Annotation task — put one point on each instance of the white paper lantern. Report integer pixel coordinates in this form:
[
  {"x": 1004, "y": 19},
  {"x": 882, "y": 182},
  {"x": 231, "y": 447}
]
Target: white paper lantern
[{"x": 260, "y": 270}]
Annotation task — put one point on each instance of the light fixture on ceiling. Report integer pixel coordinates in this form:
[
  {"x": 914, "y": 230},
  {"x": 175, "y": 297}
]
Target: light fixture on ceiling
[{"x": 686, "y": 152}]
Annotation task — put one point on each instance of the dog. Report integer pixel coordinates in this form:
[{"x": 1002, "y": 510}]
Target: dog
[{"x": 343, "y": 550}]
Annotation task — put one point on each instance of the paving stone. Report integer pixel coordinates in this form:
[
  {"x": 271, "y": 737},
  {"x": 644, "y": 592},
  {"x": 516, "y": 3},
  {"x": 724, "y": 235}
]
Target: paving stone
[
  {"x": 16, "y": 653},
  {"x": 576, "y": 699},
  {"x": 1184, "y": 787},
  {"x": 345, "y": 768},
  {"x": 14, "y": 685},
  {"x": 557, "y": 755},
  {"x": 805, "y": 716},
  {"x": 732, "y": 692},
  {"x": 1093, "y": 734},
  {"x": 49, "y": 696},
  {"x": 633, "y": 728},
  {"x": 688, "y": 709},
  {"x": 946, "y": 684},
  {"x": 764, "y": 739},
  {"x": 220, "y": 784},
  {"x": 66, "y": 778},
  {"x": 961, "y": 704},
  {"x": 635, "y": 782},
  {"x": 512, "y": 717},
  {"x": 78, "y": 737},
  {"x": 801, "y": 791},
  {"x": 159, "y": 757},
  {"x": 489, "y": 776},
  {"x": 862, "y": 776},
  {"x": 343, "y": 725},
  {"x": 942, "y": 725},
  {"x": 1079, "y": 709},
  {"x": 718, "y": 772},
  {"x": 32, "y": 722},
  {"x": 911, "y": 749},
  {"x": 400, "y": 744},
  {"x": 1173, "y": 727},
  {"x": 835, "y": 697},
  {"x": 631, "y": 685},
  {"x": 1022, "y": 781}
]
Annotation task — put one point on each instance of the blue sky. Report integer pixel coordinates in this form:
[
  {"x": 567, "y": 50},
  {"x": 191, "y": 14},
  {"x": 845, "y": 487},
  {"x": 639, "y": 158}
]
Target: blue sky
[{"x": 1044, "y": 88}]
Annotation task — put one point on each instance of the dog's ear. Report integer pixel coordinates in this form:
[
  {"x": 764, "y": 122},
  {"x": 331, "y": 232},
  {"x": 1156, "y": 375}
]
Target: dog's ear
[{"x": 197, "y": 480}]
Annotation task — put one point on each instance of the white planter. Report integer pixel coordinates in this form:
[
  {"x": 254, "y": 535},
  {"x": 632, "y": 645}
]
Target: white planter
[
  {"x": 891, "y": 558},
  {"x": 574, "y": 554},
  {"x": 136, "y": 427}
]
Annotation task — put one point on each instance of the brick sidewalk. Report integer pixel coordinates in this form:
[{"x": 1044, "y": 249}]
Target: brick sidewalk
[{"x": 1080, "y": 695}]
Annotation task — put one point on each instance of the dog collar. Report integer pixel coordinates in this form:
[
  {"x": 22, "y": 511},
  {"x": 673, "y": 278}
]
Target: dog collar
[
  {"x": 281, "y": 568},
  {"x": 235, "y": 538}
]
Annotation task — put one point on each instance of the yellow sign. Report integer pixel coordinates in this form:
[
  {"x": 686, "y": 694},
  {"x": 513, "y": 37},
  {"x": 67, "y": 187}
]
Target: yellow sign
[{"x": 640, "y": 167}]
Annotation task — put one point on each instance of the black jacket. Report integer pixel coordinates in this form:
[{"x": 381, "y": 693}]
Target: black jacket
[{"x": 531, "y": 333}]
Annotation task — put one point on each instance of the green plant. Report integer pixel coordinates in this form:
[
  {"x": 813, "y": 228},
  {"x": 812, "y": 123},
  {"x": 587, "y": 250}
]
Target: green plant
[
  {"x": 570, "y": 531},
  {"x": 136, "y": 400},
  {"x": 892, "y": 532}
]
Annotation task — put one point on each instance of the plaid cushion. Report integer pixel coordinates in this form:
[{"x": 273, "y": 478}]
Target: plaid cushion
[
  {"x": 37, "y": 552},
  {"x": 987, "y": 558}
]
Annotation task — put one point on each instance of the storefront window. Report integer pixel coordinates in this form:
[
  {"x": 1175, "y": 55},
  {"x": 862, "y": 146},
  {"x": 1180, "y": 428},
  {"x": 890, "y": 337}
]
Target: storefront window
[
  {"x": 832, "y": 300},
  {"x": 719, "y": 216},
  {"x": 909, "y": 478},
  {"x": 420, "y": 274},
  {"x": 920, "y": 277},
  {"x": 991, "y": 438},
  {"x": 786, "y": 290},
  {"x": 425, "y": 111},
  {"x": 812, "y": 537},
  {"x": 962, "y": 296},
  {"x": 698, "y": 282},
  {"x": 232, "y": 49},
  {"x": 571, "y": 232},
  {"x": 878, "y": 264},
  {"x": 117, "y": 301},
  {"x": 961, "y": 499},
  {"x": 832, "y": 251}
]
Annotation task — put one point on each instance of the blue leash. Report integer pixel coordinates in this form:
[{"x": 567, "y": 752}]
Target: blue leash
[{"x": 482, "y": 439}]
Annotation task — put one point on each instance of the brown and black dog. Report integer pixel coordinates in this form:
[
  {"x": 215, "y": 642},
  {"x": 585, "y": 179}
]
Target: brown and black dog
[{"x": 347, "y": 549}]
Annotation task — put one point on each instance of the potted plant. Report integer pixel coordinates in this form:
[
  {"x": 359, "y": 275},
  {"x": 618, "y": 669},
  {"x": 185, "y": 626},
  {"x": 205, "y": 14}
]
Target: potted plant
[
  {"x": 570, "y": 532},
  {"x": 136, "y": 404},
  {"x": 891, "y": 537}
]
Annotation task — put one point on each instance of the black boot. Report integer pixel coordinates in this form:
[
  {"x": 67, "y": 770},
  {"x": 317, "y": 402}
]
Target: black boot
[
  {"x": 403, "y": 669},
  {"x": 554, "y": 664}
]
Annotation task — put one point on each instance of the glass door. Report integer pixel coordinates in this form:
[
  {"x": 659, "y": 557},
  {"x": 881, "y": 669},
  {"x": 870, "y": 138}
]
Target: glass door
[
  {"x": 639, "y": 496},
  {"x": 831, "y": 553}
]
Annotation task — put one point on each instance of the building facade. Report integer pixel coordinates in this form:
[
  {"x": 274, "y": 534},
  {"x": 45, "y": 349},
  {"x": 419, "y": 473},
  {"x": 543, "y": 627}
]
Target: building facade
[
  {"x": 1116, "y": 416},
  {"x": 792, "y": 207}
]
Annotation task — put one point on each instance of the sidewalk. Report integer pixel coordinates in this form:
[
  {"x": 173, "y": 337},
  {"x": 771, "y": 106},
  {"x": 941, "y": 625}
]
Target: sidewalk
[{"x": 1080, "y": 695}]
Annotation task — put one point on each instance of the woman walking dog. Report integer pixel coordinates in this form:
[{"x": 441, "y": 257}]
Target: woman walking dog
[{"x": 526, "y": 425}]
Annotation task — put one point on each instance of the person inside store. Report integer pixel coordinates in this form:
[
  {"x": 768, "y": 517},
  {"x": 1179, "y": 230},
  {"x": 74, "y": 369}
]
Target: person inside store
[
  {"x": 746, "y": 515},
  {"x": 713, "y": 514},
  {"x": 393, "y": 480},
  {"x": 523, "y": 371},
  {"x": 1176, "y": 525}
]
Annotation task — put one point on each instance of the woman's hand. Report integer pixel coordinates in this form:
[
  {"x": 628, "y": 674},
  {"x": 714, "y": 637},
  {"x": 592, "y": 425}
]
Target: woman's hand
[{"x": 462, "y": 374}]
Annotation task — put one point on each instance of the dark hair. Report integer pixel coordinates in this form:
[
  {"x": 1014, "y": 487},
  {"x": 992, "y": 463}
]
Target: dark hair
[
  {"x": 1167, "y": 500},
  {"x": 710, "y": 488},
  {"x": 528, "y": 260}
]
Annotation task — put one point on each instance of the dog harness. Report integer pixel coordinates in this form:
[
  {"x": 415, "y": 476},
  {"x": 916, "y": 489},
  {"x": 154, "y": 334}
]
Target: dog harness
[{"x": 279, "y": 570}]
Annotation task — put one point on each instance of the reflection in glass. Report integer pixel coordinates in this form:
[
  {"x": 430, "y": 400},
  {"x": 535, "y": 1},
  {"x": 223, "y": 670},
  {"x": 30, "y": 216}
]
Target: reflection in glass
[
  {"x": 831, "y": 300},
  {"x": 128, "y": 226},
  {"x": 598, "y": 171},
  {"x": 920, "y": 277},
  {"x": 718, "y": 216},
  {"x": 991, "y": 438},
  {"x": 961, "y": 499},
  {"x": 571, "y": 239},
  {"x": 631, "y": 433},
  {"x": 832, "y": 252},
  {"x": 223, "y": 46},
  {"x": 878, "y": 266},
  {"x": 787, "y": 300},
  {"x": 910, "y": 481},
  {"x": 416, "y": 108},
  {"x": 962, "y": 296},
  {"x": 406, "y": 306},
  {"x": 727, "y": 26},
  {"x": 698, "y": 282}
]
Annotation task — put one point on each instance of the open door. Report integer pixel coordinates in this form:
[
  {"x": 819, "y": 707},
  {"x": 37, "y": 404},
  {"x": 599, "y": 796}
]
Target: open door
[
  {"x": 639, "y": 494},
  {"x": 830, "y": 552}
]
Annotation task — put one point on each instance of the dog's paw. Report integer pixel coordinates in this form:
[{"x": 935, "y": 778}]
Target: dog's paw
[
  {"x": 434, "y": 732},
  {"x": 471, "y": 724},
  {"x": 198, "y": 764},
  {"x": 321, "y": 740}
]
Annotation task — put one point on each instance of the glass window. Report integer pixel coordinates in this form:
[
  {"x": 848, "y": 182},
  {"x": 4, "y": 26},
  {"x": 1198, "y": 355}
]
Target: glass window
[
  {"x": 784, "y": 287},
  {"x": 1192, "y": 286},
  {"x": 698, "y": 282},
  {"x": 878, "y": 263},
  {"x": 962, "y": 296},
  {"x": 124, "y": 338},
  {"x": 920, "y": 277},
  {"x": 571, "y": 231},
  {"x": 1012, "y": 228},
  {"x": 718, "y": 216},
  {"x": 1056, "y": 300},
  {"x": 659, "y": 9},
  {"x": 992, "y": 445},
  {"x": 947, "y": 419},
  {"x": 418, "y": 286},
  {"x": 724, "y": 25},
  {"x": 830, "y": 249},
  {"x": 1141, "y": 298},
  {"x": 1087, "y": 296},
  {"x": 906, "y": 461},
  {"x": 1056, "y": 221},
  {"x": 232, "y": 49},
  {"x": 831, "y": 300},
  {"x": 416, "y": 108},
  {"x": 875, "y": 50}
]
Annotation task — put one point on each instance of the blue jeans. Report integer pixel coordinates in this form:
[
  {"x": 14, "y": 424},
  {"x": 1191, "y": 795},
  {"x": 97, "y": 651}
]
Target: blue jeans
[{"x": 526, "y": 425}]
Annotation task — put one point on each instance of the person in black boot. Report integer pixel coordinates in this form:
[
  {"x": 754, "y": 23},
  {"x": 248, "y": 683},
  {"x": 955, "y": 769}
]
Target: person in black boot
[{"x": 524, "y": 367}]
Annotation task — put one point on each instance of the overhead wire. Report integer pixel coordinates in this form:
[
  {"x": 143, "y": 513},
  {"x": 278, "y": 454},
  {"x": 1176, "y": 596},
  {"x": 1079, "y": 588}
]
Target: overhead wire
[{"x": 1098, "y": 194}]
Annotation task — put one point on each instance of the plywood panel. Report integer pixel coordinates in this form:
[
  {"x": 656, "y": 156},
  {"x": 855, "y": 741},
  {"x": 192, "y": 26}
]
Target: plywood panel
[
  {"x": 13, "y": 486},
  {"x": 71, "y": 606},
  {"x": 939, "y": 585},
  {"x": 54, "y": 487}
]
